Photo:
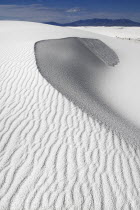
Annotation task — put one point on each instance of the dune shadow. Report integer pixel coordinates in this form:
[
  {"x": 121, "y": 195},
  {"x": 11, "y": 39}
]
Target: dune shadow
[{"x": 74, "y": 67}]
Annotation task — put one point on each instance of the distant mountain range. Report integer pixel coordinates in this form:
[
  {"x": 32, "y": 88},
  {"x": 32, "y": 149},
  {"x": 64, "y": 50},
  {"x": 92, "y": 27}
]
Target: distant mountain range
[{"x": 98, "y": 22}]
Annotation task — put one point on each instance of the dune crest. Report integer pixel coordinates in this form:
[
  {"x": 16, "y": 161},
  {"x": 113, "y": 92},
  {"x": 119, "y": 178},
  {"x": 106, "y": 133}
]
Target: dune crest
[{"x": 101, "y": 50}]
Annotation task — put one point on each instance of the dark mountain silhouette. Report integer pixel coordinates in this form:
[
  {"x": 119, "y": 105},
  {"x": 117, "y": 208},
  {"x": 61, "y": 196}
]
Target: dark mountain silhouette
[{"x": 98, "y": 22}]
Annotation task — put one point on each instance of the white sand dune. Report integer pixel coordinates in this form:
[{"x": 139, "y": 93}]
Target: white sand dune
[
  {"x": 119, "y": 32},
  {"x": 53, "y": 155}
]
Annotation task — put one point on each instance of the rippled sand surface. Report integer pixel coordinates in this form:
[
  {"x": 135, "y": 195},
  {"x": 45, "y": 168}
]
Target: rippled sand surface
[{"x": 52, "y": 154}]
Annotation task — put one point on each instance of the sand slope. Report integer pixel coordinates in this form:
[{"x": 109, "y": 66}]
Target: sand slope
[
  {"x": 52, "y": 155},
  {"x": 80, "y": 68}
]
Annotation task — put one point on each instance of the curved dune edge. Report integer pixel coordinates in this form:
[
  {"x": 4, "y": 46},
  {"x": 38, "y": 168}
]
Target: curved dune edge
[
  {"x": 68, "y": 64},
  {"x": 52, "y": 155},
  {"x": 101, "y": 50}
]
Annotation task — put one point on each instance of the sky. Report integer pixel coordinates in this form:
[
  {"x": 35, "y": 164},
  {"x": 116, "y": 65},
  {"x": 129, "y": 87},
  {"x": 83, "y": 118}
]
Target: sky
[{"x": 63, "y": 11}]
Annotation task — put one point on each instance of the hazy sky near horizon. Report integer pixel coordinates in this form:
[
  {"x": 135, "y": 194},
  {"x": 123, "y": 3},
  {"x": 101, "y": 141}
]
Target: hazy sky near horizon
[{"x": 68, "y": 10}]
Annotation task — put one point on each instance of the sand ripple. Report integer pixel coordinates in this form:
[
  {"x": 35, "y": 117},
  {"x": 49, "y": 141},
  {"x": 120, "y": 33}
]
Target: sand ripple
[{"x": 52, "y": 155}]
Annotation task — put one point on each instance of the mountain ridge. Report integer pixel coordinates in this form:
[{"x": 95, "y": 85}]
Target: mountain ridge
[{"x": 98, "y": 22}]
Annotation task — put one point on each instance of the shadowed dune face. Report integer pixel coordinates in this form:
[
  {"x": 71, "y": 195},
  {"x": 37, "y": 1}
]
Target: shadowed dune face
[{"x": 75, "y": 66}]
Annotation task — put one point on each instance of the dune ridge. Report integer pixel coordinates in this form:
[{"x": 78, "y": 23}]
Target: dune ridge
[{"x": 52, "y": 155}]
